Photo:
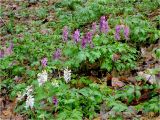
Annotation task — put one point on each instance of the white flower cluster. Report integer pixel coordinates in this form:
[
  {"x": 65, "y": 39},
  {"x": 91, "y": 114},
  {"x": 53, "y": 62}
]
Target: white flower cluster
[
  {"x": 27, "y": 92},
  {"x": 67, "y": 75},
  {"x": 42, "y": 77},
  {"x": 30, "y": 98},
  {"x": 29, "y": 102}
]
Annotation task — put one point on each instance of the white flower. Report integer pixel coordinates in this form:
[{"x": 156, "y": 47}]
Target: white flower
[
  {"x": 28, "y": 92},
  {"x": 29, "y": 101},
  {"x": 42, "y": 77},
  {"x": 67, "y": 75}
]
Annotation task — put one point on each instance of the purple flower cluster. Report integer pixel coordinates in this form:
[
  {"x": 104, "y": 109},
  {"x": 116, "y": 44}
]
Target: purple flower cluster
[
  {"x": 76, "y": 36},
  {"x": 44, "y": 62},
  {"x": 117, "y": 34},
  {"x": 94, "y": 27},
  {"x": 57, "y": 54},
  {"x": 104, "y": 25},
  {"x": 87, "y": 39},
  {"x": 126, "y": 32},
  {"x": 84, "y": 42},
  {"x": 103, "y": 18},
  {"x": 88, "y": 36},
  {"x": 55, "y": 101},
  {"x": 118, "y": 29},
  {"x": 65, "y": 33}
]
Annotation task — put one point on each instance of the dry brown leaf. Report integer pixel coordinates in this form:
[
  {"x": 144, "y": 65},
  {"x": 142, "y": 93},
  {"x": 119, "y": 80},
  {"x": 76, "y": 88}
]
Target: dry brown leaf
[
  {"x": 132, "y": 79},
  {"x": 144, "y": 118},
  {"x": 123, "y": 78},
  {"x": 7, "y": 112},
  {"x": 116, "y": 82},
  {"x": 98, "y": 118},
  {"x": 147, "y": 118},
  {"x": 19, "y": 117},
  {"x": 158, "y": 118},
  {"x": 116, "y": 57}
]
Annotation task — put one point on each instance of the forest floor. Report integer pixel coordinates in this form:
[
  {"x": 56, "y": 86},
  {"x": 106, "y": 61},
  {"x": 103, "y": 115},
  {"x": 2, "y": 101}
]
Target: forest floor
[{"x": 26, "y": 20}]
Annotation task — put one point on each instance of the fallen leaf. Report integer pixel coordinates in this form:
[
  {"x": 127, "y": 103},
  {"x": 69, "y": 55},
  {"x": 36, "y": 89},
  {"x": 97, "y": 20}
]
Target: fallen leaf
[
  {"x": 19, "y": 117},
  {"x": 116, "y": 57},
  {"x": 7, "y": 112},
  {"x": 98, "y": 118},
  {"x": 132, "y": 79},
  {"x": 117, "y": 83}
]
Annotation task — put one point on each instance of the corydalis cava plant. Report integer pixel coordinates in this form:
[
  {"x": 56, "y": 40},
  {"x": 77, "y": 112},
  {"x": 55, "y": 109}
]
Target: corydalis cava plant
[
  {"x": 103, "y": 25},
  {"x": 76, "y": 36},
  {"x": 125, "y": 32},
  {"x": 65, "y": 33},
  {"x": 117, "y": 34},
  {"x": 44, "y": 62},
  {"x": 84, "y": 42},
  {"x": 42, "y": 77},
  {"x": 27, "y": 92},
  {"x": 67, "y": 75},
  {"x": 94, "y": 27},
  {"x": 55, "y": 100},
  {"x": 30, "y": 98},
  {"x": 29, "y": 102},
  {"x": 57, "y": 54},
  {"x": 87, "y": 39}
]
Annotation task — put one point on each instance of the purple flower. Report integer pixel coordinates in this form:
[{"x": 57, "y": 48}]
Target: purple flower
[
  {"x": 57, "y": 54},
  {"x": 44, "y": 62},
  {"x": 103, "y": 18},
  {"x": 55, "y": 101},
  {"x": 84, "y": 42},
  {"x": 104, "y": 25},
  {"x": 126, "y": 32},
  {"x": 102, "y": 22},
  {"x": 1, "y": 53},
  {"x": 65, "y": 33},
  {"x": 89, "y": 37},
  {"x": 76, "y": 35},
  {"x": 117, "y": 34},
  {"x": 94, "y": 27}
]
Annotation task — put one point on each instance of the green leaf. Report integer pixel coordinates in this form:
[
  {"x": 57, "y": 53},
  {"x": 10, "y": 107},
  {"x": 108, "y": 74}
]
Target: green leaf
[{"x": 107, "y": 65}]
